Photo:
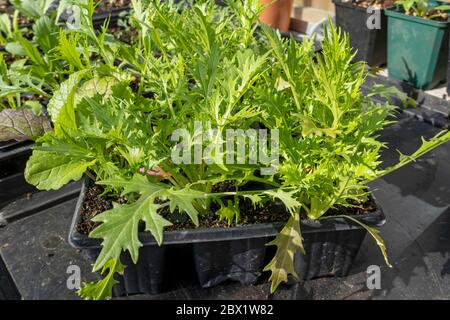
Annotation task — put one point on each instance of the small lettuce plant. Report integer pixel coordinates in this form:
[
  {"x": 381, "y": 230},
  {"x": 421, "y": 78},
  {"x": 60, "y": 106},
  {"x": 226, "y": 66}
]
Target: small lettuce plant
[
  {"x": 424, "y": 9},
  {"x": 35, "y": 62}
]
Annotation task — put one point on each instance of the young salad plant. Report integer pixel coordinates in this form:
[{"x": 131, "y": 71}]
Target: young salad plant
[
  {"x": 199, "y": 67},
  {"x": 425, "y": 9},
  {"x": 42, "y": 63}
]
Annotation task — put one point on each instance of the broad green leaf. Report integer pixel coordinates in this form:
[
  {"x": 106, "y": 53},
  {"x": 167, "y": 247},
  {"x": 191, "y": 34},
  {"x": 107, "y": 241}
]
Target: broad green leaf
[
  {"x": 50, "y": 170},
  {"x": 22, "y": 124},
  {"x": 289, "y": 241},
  {"x": 66, "y": 117},
  {"x": 102, "y": 86},
  {"x": 32, "y": 8},
  {"x": 61, "y": 95},
  {"x": 15, "y": 48}
]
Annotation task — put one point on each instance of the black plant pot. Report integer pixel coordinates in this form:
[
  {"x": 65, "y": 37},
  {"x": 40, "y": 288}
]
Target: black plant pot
[
  {"x": 237, "y": 253},
  {"x": 371, "y": 44},
  {"x": 98, "y": 19},
  {"x": 113, "y": 15},
  {"x": 13, "y": 158}
]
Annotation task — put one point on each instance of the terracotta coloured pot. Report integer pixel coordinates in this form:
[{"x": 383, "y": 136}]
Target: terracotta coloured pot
[{"x": 277, "y": 13}]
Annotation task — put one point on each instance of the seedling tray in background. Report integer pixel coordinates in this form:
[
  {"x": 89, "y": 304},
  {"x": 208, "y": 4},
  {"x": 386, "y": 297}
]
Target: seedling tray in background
[
  {"x": 428, "y": 108},
  {"x": 13, "y": 158}
]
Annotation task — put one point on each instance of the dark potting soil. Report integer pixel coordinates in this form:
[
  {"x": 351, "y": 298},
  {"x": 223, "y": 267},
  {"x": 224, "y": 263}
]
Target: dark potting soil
[
  {"x": 128, "y": 35},
  {"x": 104, "y": 6},
  {"x": 6, "y": 7},
  {"x": 7, "y": 57},
  {"x": 24, "y": 98},
  {"x": 108, "y": 5},
  {"x": 438, "y": 15},
  {"x": 95, "y": 202},
  {"x": 383, "y": 4}
]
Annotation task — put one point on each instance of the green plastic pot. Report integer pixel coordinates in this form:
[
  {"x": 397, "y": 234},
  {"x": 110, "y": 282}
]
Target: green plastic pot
[{"x": 417, "y": 49}]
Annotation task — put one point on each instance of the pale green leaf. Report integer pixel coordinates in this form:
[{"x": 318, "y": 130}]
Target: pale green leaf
[
  {"x": 138, "y": 183},
  {"x": 184, "y": 200},
  {"x": 49, "y": 170},
  {"x": 373, "y": 232},
  {"x": 102, "y": 289},
  {"x": 62, "y": 94},
  {"x": 289, "y": 241},
  {"x": 288, "y": 199},
  {"x": 15, "y": 48},
  {"x": 119, "y": 228},
  {"x": 227, "y": 212}
]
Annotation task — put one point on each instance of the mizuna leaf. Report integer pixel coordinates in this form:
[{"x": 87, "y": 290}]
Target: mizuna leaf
[
  {"x": 289, "y": 241},
  {"x": 119, "y": 231},
  {"x": 22, "y": 124},
  {"x": 254, "y": 198},
  {"x": 318, "y": 208},
  {"x": 50, "y": 170},
  {"x": 227, "y": 212},
  {"x": 68, "y": 49},
  {"x": 183, "y": 200},
  {"x": 119, "y": 228},
  {"x": 139, "y": 183},
  {"x": 103, "y": 288},
  {"x": 31, "y": 51},
  {"x": 291, "y": 204},
  {"x": 373, "y": 232},
  {"x": 309, "y": 128},
  {"x": 440, "y": 138},
  {"x": 45, "y": 32},
  {"x": 155, "y": 223}
]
